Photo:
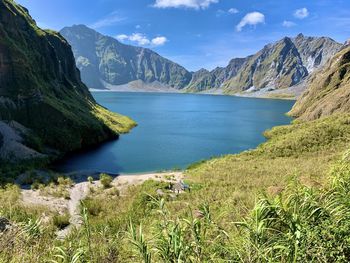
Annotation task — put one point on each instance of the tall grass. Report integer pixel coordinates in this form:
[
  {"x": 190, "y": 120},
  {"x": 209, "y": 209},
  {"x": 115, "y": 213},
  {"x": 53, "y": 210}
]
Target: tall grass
[{"x": 287, "y": 201}]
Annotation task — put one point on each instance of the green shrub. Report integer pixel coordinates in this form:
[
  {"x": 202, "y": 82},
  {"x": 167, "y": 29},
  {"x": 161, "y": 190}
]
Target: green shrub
[
  {"x": 61, "y": 221},
  {"x": 113, "y": 192},
  {"x": 93, "y": 206},
  {"x": 35, "y": 185},
  {"x": 106, "y": 180},
  {"x": 65, "y": 181},
  {"x": 90, "y": 179}
]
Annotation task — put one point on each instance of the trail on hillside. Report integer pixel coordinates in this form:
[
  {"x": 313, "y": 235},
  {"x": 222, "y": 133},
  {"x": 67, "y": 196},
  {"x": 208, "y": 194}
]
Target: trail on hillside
[{"x": 80, "y": 191}]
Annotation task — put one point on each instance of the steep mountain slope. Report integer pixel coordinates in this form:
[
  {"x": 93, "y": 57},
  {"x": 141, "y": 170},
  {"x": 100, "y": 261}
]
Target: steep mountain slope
[
  {"x": 328, "y": 90},
  {"x": 41, "y": 90},
  {"x": 278, "y": 65},
  {"x": 283, "y": 64},
  {"x": 204, "y": 79},
  {"x": 102, "y": 59},
  {"x": 315, "y": 51},
  {"x": 275, "y": 66}
]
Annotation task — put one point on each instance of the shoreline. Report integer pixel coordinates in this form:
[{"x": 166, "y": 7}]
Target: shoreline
[
  {"x": 264, "y": 96},
  {"x": 81, "y": 189}
]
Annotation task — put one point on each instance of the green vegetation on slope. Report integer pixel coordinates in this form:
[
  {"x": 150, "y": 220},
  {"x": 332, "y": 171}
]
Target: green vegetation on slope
[
  {"x": 329, "y": 90},
  {"x": 286, "y": 201},
  {"x": 40, "y": 88},
  {"x": 259, "y": 188},
  {"x": 104, "y": 59}
]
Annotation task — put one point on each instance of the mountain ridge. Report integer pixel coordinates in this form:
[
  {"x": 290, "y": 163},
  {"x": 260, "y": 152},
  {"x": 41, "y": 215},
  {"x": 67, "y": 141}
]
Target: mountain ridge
[
  {"x": 117, "y": 63},
  {"x": 278, "y": 65}
]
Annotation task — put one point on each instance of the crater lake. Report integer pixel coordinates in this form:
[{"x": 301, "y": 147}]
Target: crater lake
[{"x": 176, "y": 130}]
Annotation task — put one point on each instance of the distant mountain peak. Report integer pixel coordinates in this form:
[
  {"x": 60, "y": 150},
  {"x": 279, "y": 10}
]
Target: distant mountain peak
[
  {"x": 281, "y": 64},
  {"x": 104, "y": 60},
  {"x": 300, "y": 35}
]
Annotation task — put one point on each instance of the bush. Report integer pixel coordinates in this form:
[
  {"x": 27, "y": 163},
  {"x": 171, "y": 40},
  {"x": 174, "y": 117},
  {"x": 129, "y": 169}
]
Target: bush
[
  {"x": 93, "y": 206},
  {"x": 106, "y": 180},
  {"x": 65, "y": 181},
  {"x": 90, "y": 179},
  {"x": 61, "y": 221},
  {"x": 35, "y": 185},
  {"x": 113, "y": 192}
]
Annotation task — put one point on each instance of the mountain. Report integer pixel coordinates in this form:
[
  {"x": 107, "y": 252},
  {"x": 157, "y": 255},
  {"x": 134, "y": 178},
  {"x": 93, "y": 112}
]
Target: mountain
[
  {"x": 205, "y": 80},
  {"x": 106, "y": 63},
  {"x": 278, "y": 65},
  {"x": 328, "y": 89},
  {"x": 104, "y": 60},
  {"x": 43, "y": 102}
]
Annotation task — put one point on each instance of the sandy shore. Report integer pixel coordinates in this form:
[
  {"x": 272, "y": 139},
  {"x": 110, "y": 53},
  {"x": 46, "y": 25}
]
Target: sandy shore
[
  {"x": 123, "y": 181},
  {"x": 81, "y": 190}
]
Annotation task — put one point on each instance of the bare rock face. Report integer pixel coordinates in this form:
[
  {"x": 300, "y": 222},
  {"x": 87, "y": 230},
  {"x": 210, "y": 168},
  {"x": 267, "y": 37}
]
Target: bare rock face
[
  {"x": 104, "y": 62},
  {"x": 40, "y": 86},
  {"x": 315, "y": 51},
  {"x": 279, "y": 65},
  {"x": 283, "y": 64},
  {"x": 12, "y": 143},
  {"x": 328, "y": 90},
  {"x": 205, "y": 80}
]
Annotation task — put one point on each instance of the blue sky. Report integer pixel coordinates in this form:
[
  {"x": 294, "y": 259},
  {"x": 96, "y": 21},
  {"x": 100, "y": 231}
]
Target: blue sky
[{"x": 199, "y": 33}]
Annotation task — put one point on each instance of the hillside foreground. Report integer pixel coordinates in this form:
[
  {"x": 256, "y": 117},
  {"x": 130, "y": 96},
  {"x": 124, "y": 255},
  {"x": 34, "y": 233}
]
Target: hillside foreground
[{"x": 268, "y": 190}]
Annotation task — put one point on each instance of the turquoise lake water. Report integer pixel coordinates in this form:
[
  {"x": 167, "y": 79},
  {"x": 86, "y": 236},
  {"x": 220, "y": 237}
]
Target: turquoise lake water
[{"x": 175, "y": 130}]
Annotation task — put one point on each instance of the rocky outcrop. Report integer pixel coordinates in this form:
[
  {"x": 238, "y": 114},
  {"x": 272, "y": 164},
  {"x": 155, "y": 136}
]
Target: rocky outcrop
[
  {"x": 328, "y": 90},
  {"x": 41, "y": 89},
  {"x": 275, "y": 66},
  {"x": 205, "y": 80},
  {"x": 315, "y": 51},
  {"x": 283, "y": 64},
  {"x": 105, "y": 62},
  {"x": 102, "y": 59},
  {"x": 279, "y": 65}
]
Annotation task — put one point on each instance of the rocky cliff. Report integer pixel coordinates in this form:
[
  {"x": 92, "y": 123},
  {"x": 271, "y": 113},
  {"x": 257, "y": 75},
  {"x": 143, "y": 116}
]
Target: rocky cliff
[
  {"x": 328, "y": 89},
  {"x": 41, "y": 89},
  {"x": 205, "y": 80},
  {"x": 279, "y": 65},
  {"x": 104, "y": 60}
]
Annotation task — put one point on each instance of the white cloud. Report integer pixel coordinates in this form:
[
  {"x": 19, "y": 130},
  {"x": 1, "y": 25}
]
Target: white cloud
[
  {"x": 142, "y": 39},
  {"x": 122, "y": 37},
  {"x": 159, "y": 41},
  {"x": 230, "y": 11},
  {"x": 233, "y": 11},
  {"x": 288, "y": 23},
  {"x": 109, "y": 20},
  {"x": 301, "y": 13},
  {"x": 253, "y": 18},
  {"x": 195, "y": 4},
  {"x": 137, "y": 26}
]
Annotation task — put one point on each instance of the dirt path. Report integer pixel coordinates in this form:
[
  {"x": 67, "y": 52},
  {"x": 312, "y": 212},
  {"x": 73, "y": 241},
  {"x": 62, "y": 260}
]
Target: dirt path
[
  {"x": 81, "y": 190},
  {"x": 77, "y": 193}
]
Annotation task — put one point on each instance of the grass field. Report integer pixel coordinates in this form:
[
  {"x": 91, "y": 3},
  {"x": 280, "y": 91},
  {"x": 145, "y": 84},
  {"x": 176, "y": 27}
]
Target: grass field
[{"x": 276, "y": 203}]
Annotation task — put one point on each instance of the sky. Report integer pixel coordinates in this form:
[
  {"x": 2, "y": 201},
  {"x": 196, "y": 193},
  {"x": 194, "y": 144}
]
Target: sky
[{"x": 198, "y": 33}]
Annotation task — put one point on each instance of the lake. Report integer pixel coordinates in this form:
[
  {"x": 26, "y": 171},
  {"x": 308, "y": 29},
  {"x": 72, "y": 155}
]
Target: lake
[{"x": 175, "y": 130}]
